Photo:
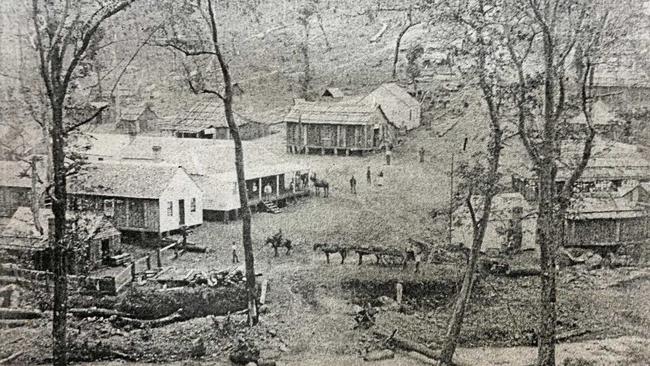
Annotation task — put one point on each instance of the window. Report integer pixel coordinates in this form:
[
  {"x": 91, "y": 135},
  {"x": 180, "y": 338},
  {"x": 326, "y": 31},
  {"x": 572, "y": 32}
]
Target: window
[
  {"x": 170, "y": 208},
  {"x": 109, "y": 208},
  {"x": 193, "y": 205}
]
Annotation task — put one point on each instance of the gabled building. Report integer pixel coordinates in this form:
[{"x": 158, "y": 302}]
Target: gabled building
[
  {"x": 16, "y": 186},
  {"x": 138, "y": 197},
  {"x": 401, "y": 109},
  {"x": 211, "y": 164},
  {"x": 207, "y": 120},
  {"x": 320, "y": 127},
  {"x": 135, "y": 120},
  {"x": 96, "y": 236}
]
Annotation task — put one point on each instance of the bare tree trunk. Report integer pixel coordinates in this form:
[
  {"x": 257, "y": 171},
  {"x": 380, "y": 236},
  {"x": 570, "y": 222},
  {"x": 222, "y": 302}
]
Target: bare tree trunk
[
  {"x": 59, "y": 202},
  {"x": 36, "y": 195},
  {"x": 306, "y": 78},
  {"x": 227, "y": 98},
  {"x": 398, "y": 43}
]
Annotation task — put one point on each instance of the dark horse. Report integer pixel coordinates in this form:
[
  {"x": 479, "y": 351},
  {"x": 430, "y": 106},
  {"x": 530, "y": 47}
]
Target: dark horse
[
  {"x": 332, "y": 249},
  {"x": 321, "y": 183},
  {"x": 277, "y": 243}
]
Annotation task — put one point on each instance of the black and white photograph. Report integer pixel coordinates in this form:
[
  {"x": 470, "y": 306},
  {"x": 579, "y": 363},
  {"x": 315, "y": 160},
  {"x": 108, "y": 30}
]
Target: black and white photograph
[{"x": 325, "y": 182}]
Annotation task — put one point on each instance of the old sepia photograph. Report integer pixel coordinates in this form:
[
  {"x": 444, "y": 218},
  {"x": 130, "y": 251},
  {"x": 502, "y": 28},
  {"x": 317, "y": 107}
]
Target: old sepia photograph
[{"x": 325, "y": 182}]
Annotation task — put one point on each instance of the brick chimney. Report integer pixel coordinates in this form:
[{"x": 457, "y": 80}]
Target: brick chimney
[{"x": 156, "y": 153}]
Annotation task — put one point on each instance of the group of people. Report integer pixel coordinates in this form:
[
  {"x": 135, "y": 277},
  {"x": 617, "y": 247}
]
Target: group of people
[{"x": 353, "y": 180}]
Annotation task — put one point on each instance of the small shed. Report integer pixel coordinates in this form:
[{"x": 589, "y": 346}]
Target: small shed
[
  {"x": 100, "y": 237},
  {"x": 609, "y": 219},
  {"x": 206, "y": 119},
  {"x": 139, "y": 197},
  {"x": 401, "y": 109},
  {"x": 15, "y": 186},
  {"x": 337, "y": 127},
  {"x": 137, "y": 119},
  {"x": 512, "y": 223}
]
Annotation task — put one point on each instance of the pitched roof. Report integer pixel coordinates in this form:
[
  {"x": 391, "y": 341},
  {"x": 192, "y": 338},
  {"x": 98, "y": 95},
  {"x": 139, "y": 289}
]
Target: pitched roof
[
  {"x": 21, "y": 225},
  {"x": 601, "y": 115},
  {"x": 333, "y": 92},
  {"x": 393, "y": 96},
  {"x": 204, "y": 114},
  {"x": 605, "y": 206},
  {"x": 328, "y": 113},
  {"x": 196, "y": 156},
  {"x": 120, "y": 179},
  {"x": 15, "y": 174}
]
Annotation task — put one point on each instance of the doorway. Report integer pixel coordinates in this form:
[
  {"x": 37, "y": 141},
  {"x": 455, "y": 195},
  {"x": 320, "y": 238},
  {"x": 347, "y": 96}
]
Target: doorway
[{"x": 181, "y": 212}]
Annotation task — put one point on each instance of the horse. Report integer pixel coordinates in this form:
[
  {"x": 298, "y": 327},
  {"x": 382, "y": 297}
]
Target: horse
[
  {"x": 321, "y": 183},
  {"x": 332, "y": 249},
  {"x": 275, "y": 243}
]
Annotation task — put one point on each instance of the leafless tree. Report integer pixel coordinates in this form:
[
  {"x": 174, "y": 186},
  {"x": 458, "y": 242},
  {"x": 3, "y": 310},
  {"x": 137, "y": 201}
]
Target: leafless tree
[{"x": 63, "y": 33}]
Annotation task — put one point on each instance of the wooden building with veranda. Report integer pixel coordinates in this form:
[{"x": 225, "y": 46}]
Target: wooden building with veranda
[{"x": 337, "y": 128}]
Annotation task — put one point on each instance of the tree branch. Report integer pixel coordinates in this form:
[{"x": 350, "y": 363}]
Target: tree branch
[{"x": 86, "y": 121}]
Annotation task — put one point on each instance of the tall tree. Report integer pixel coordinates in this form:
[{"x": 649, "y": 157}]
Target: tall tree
[
  {"x": 540, "y": 37},
  {"x": 483, "y": 69},
  {"x": 63, "y": 33},
  {"x": 206, "y": 50}
]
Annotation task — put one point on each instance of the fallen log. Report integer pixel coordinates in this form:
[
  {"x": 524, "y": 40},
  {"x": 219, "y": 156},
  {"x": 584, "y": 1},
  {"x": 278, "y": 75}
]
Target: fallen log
[
  {"x": 194, "y": 248},
  {"x": 13, "y": 323},
  {"x": 422, "y": 358},
  {"x": 19, "y": 313},
  {"x": 378, "y": 35},
  {"x": 122, "y": 321},
  {"x": 11, "y": 358},
  {"x": 523, "y": 272},
  {"x": 96, "y": 312},
  {"x": 407, "y": 344}
]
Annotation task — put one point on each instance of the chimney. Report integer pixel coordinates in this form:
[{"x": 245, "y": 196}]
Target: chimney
[{"x": 156, "y": 153}]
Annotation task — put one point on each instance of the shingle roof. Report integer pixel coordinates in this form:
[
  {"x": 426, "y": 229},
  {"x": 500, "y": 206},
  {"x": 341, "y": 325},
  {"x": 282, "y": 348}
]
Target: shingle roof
[
  {"x": 328, "y": 113},
  {"x": 204, "y": 114},
  {"x": 121, "y": 179}
]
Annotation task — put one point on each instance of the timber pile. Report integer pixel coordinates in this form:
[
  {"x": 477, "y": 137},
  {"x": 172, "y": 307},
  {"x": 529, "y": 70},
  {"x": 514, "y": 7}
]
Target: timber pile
[
  {"x": 213, "y": 279},
  {"x": 120, "y": 259}
]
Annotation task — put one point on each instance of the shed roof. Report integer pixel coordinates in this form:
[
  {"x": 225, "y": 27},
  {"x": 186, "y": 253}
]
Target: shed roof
[
  {"x": 204, "y": 114},
  {"x": 332, "y": 113},
  {"x": 132, "y": 113},
  {"x": 392, "y": 96},
  {"x": 120, "y": 179},
  {"x": 15, "y": 174},
  {"x": 605, "y": 206},
  {"x": 21, "y": 226}
]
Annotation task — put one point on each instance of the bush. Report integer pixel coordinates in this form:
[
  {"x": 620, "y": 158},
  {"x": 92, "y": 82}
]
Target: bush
[{"x": 578, "y": 361}]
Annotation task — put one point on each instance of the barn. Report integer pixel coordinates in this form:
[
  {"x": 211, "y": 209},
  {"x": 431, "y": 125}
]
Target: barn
[
  {"x": 326, "y": 127},
  {"x": 401, "y": 109},
  {"x": 211, "y": 164},
  {"x": 137, "y": 119},
  {"x": 15, "y": 186},
  {"x": 206, "y": 119},
  {"x": 139, "y": 197},
  {"x": 21, "y": 239}
]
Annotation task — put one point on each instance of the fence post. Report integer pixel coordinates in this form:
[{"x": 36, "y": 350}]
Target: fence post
[
  {"x": 148, "y": 262},
  {"x": 132, "y": 271},
  {"x": 158, "y": 259}
]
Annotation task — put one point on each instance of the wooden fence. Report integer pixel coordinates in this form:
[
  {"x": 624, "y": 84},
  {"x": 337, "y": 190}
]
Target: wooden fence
[{"x": 130, "y": 272}]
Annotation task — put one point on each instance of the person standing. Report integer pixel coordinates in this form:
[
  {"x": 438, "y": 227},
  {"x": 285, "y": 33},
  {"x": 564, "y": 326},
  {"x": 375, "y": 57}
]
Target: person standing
[
  {"x": 422, "y": 155},
  {"x": 368, "y": 176},
  {"x": 388, "y": 154},
  {"x": 353, "y": 185},
  {"x": 380, "y": 178},
  {"x": 235, "y": 259}
]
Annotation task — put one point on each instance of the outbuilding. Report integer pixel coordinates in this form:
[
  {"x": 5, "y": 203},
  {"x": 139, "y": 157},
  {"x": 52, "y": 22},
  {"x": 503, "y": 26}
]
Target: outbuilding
[
  {"x": 137, "y": 119},
  {"x": 401, "y": 109},
  {"x": 322, "y": 127}
]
